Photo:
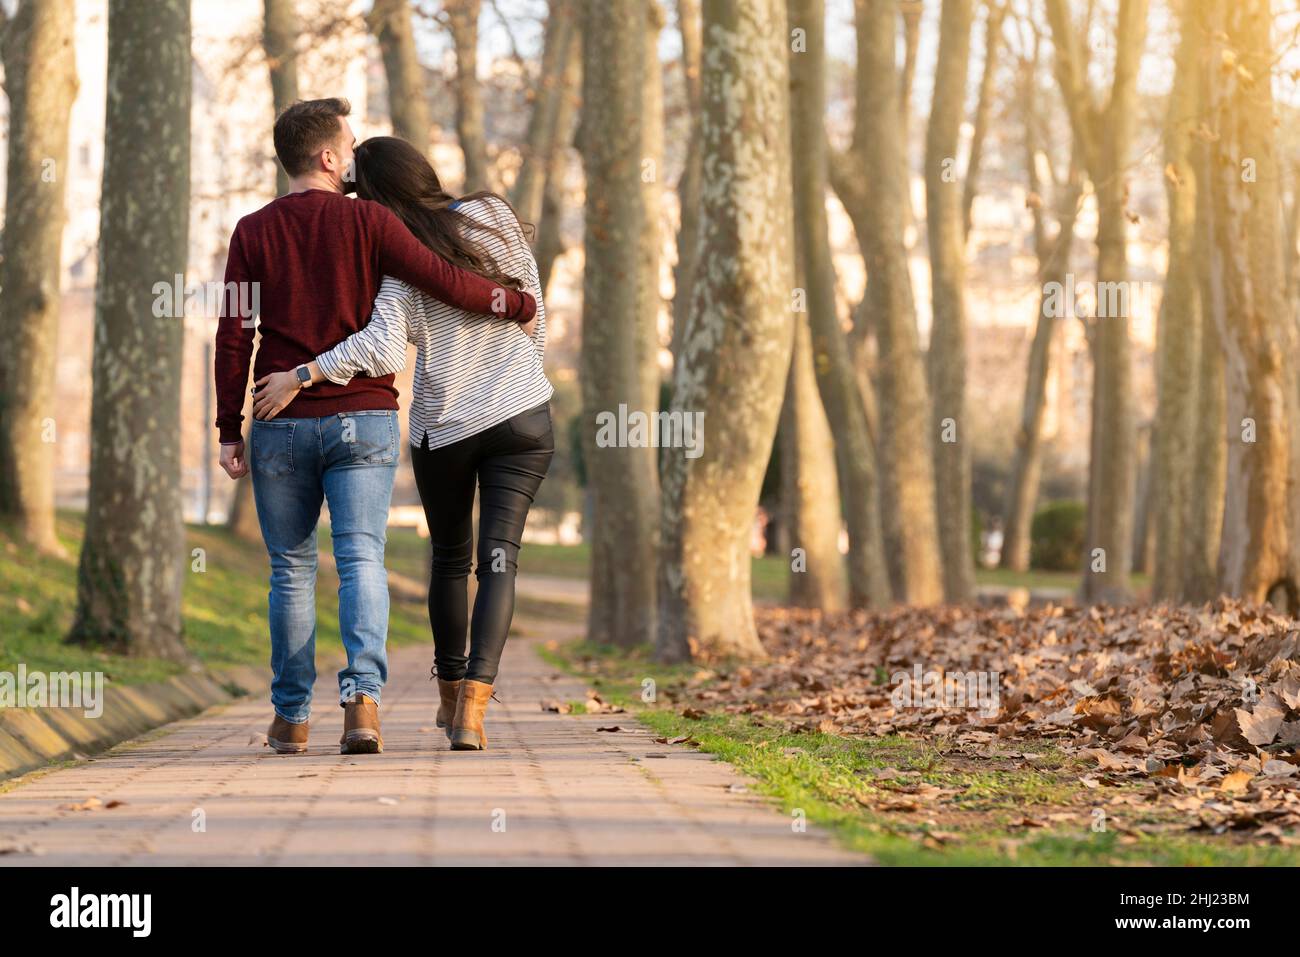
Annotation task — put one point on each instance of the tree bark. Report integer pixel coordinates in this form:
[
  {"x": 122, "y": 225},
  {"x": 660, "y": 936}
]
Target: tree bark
[
  {"x": 390, "y": 22},
  {"x": 835, "y": 376},
  {"x": 1204, "y": 524},
  {"x": 995, "y": 15},
  {"x": 241, "y": 520},
  {"x": 560, "y": 44},
  {"x": 41, "y": 81},
  {"x": 688, "y": 184},
  {"x": 947, "y": 357},
  {"x": 1143, "y": 539},
  {"x": 1178, "y": 335},
  {"x": 1106, "y": 139},
  {"x": 809, "y": 492},
  {"x": 549, "y": 244},
  {"x": 621, "y": 476},
  {"x": 649, "y": 297},
  {"x": 1053, "y": 257},
  {"x": 911, "y": 11},
  {"x": 462, "y": 19},
  {"x": 737, "y": 345},
  {"x": 905, "y": 440},
  {"x": 279, "y": 34},
  {"x": 1246, "y": 260},
  {"x": 129, "y": 581}
]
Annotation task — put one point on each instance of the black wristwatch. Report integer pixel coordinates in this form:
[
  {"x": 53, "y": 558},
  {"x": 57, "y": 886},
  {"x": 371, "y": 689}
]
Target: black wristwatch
[{"x": 304, "y": 377}]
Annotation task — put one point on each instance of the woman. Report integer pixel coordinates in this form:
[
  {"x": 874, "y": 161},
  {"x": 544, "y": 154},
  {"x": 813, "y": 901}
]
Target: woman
[{"x": 480, "y": 412}]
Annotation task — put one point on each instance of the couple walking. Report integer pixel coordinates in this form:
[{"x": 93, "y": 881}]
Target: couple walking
[{"x": 342, "y": 286}]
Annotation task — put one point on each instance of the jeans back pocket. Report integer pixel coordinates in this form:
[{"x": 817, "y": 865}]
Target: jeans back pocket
[
  {"x": 534, "y": 424},
  {"x": 370, "y": 437},
  {"x": 272, "y": 447}
]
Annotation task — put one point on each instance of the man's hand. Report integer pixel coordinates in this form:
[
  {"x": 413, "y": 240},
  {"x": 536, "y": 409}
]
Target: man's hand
[
  {"x": 233, "y": 461},
  {"x": 273, "y": 392}
]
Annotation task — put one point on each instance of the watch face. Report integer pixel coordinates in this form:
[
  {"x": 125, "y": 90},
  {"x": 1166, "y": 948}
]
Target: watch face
[{"x": 304, "y": 376}]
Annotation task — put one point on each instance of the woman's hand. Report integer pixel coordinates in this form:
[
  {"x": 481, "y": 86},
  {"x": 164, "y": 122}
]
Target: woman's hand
[{"x": 273, "y": 392}]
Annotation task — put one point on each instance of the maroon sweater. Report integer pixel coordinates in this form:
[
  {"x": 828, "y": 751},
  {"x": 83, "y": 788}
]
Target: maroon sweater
[{"x": 317, "y": 258}]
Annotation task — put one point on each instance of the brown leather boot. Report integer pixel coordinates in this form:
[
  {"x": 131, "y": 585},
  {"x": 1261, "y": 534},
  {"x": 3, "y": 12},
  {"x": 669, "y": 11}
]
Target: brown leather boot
[
  {"x": 285, "y": 737},
  {"x": 467, "y": 727},
  {"x": 360, "y": 726},
  {"x": 448, "y": 694}
]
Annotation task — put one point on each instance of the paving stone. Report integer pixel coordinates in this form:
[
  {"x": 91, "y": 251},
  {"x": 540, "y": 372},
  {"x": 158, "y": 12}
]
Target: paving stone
[{"x": 549, "y": 790}]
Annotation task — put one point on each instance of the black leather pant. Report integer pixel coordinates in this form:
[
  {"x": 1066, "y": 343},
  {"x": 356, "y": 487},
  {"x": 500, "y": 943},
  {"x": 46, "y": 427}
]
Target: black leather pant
[{"x": 509, "y": 462}]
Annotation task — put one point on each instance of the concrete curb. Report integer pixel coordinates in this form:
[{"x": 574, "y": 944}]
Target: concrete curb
[{"x": 32, "y": 738}]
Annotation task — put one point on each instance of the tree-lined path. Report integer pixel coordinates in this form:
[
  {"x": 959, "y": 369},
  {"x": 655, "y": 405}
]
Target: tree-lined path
[{"x": 551, "y": 789}]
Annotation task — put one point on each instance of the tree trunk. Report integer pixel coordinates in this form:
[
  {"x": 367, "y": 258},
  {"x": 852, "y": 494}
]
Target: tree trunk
[
  {"x": 129, "y": 581},
  {"x": 1106, "y": 137},
  {"x": 390, "y": 22},
  {"x": 462, "y": 19},
  {"x": 809, "y": 494},
  {"x": 1204, "y": 524},
  {"x": 911, "y": 11},
  {"x": 1143, "y": 544},
  {"x": 1053, "y": 257},
  {"x": 549, "y": 244},
  {"x": 995, "y": 15},
  {"x": 241, "y": 520},
  {"x": 561, "y": 43},
  {"x": 947, "y": 358},
  {"x": 550, "y": 241},
  {"x": 904, "y": 437},
  {"x": 279, "y": 34},
  {"x": 1178, "y": 335},
  {"x": 737, "y": 345},
  {"x": 1110, "y": 507},
  {"x": 688, "y": 185},
  {"x": 649, "y": 297},
  {"x": 1246, "y": 259},
  {"x": 620, "y": 474},
  {"x": 41, "y": 80},
  {"x": 844, "y": 169},
  {"x": 836, "y": 379},
  {"x": 649, "y": 302}
]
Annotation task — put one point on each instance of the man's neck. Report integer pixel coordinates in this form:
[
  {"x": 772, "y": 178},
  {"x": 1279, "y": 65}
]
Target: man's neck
[{"x": 300, "y": 184}]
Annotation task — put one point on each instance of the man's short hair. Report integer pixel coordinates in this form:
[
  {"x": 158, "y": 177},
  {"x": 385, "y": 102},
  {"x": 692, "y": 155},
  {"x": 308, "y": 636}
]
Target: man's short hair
[{"x": 306, "y": 128}]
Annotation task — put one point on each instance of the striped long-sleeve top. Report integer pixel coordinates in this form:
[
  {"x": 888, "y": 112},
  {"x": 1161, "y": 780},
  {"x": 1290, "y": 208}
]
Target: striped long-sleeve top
[{"x": 471, "y": 371}]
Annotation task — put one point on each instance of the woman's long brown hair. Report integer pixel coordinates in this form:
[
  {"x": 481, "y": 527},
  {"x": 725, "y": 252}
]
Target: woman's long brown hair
[{"x": 391, "y": 171}]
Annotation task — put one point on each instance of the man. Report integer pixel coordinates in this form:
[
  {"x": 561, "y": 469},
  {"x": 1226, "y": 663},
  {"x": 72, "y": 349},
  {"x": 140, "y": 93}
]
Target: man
[{"x": 311, "y": 263}]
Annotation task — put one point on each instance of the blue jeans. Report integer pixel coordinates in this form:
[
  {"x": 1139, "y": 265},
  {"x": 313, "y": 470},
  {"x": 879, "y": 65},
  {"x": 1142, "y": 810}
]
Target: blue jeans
[{"x": 349, "y": 460}]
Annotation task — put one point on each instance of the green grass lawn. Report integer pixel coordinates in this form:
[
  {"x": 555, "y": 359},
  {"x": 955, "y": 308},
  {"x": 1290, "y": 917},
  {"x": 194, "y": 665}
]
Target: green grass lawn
[
  {"x": 224, "y": 609},
  {"x": 906, "y": 801}
]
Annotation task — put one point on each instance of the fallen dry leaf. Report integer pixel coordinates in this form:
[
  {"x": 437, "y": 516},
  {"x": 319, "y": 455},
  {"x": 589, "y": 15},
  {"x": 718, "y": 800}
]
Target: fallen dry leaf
[
  {"x": 1236, "y": 781},
  {"x": 1171, "y": 702},
  {"x": 90, "y": 804},
  {"x": 1261, "y": 726},
  {"x": 680, "y": 739}
]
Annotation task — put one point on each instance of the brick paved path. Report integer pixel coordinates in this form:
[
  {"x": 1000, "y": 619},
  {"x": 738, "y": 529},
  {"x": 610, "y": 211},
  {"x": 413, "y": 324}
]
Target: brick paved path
[{"x": 550, "y": 790}]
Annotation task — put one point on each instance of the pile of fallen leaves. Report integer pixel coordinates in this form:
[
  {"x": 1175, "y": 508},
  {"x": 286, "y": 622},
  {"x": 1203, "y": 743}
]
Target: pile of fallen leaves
[{"x": 1200, "y": 703}]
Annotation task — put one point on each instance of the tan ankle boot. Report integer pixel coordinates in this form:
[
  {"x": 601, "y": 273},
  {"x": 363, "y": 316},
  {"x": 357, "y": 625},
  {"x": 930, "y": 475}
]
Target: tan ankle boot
[
  {"x": 467, "y": 727},
  {"x": 361, "y": 726},
  {"x": 285, "y": 737},
  {"x": 448, "y": 695}
]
